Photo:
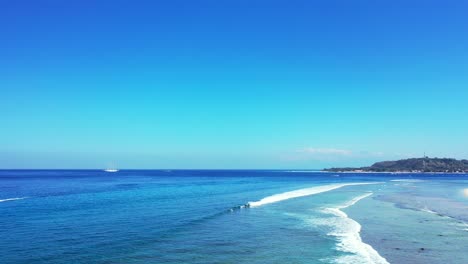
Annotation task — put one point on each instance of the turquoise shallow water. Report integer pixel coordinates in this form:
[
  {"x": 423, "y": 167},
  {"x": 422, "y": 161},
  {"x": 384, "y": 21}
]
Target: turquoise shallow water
[{"x": 197, "y": 217}]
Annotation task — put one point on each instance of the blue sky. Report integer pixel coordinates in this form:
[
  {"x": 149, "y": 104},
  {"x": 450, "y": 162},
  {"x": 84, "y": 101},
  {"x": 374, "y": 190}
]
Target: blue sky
[{"x": 231, "y": 84}]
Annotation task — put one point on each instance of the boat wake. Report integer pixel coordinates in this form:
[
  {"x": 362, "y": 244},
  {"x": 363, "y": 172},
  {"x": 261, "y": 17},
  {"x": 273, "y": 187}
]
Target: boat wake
[
  {"x": 12, "y": 199},
  {"x": 302, "y": 192},
  {"x": 347, "y": 232}
]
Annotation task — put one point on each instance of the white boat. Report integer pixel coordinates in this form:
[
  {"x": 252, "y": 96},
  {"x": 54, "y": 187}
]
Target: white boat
[{"x": 111, "y": 168}]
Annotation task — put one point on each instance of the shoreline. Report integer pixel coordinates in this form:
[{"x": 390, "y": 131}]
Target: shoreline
[{"x": 396, "y": 172}]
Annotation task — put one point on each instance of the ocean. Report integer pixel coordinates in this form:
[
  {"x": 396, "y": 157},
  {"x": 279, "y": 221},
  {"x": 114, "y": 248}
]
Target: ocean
[{"x": 231, "y": 216}]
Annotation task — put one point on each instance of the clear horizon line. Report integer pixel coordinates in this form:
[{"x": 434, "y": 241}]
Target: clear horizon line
[{"x": 123, "y": 169}]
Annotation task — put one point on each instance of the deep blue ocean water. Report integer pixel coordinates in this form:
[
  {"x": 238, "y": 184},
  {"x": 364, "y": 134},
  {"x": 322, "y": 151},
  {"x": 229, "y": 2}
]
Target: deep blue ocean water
[{"x": 198, "y": 216}]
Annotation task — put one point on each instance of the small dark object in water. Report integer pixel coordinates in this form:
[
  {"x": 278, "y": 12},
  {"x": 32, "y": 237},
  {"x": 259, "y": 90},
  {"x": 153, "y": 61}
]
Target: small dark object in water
[
  {"x": 422, "y": 249},
  {"x": 397, "y": 248},
  {"x": 236, "y": 208},
  {"x": 440, "y": 235}
]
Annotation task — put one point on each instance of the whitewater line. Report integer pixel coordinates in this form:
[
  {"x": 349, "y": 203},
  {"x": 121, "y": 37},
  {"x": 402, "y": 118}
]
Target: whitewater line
[
  {"x": 354, "y": 200},
  {"x": 302, "y": 192},
  {"x": 12, "y": 199},
  {"x": 347, "y": 232},
  {"x": 407, "y": 180}
]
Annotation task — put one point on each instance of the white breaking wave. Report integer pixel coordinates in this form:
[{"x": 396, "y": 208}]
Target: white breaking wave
[
  {"x": 12, "y": 199},
  {"x": 303, "y": 192},
  {"x": 347, "y": 231},
  {"x": 427, "y": 210},
  {"x": 407, "y": 180},
  {"x": 459, "y": 225},
  {"x": 354, "y": 200}
]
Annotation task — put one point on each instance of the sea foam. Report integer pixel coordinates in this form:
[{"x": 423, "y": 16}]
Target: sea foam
[
  {"x": 347, "y": 232},
  {"x": 303, "y": 192},
  {"x": 407, "y": 180},
  {"x": 12, "y": 199}
]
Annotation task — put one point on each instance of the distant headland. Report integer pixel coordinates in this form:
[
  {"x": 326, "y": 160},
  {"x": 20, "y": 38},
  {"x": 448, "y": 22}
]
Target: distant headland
[{"x": 424, "y": 164}]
